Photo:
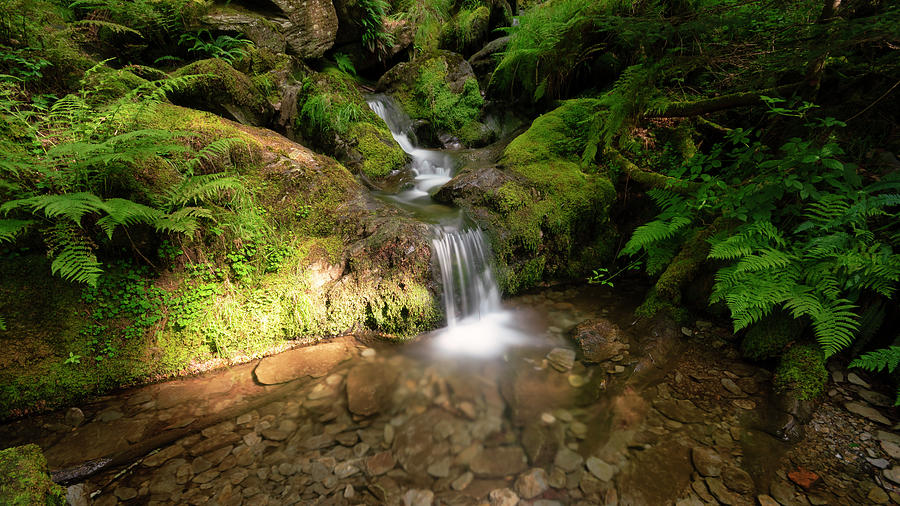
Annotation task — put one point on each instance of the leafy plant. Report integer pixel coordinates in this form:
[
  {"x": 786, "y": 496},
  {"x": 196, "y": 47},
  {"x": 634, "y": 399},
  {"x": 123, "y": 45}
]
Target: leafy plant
[
  {"x": 884, "y": 359},
  {"x": 223, "y": 46},
  {"x": 344, "y": 63},
  {"x": 374, "y": 36}
]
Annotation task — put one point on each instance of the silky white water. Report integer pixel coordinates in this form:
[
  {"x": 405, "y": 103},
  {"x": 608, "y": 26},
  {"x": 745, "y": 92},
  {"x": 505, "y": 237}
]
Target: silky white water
[{"x": 477, "y": 323}]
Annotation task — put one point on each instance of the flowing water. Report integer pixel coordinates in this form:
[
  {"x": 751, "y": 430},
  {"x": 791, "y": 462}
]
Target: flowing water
[{"x": 500, "y": 403}]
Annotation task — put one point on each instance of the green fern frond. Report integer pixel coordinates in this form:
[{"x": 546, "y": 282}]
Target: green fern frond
[
  {"x": 878, "y": 360},
  {"x": 220, "y": 148},
  {"x": 833, "y": 321},
  {"x": 2, "y": 323},
  {"x": 71, "y": 205},
  {"x": 653, "y": 232},
  {"x": 126, "y": 212},
  {"x": 113, "y": 27},
  {"x": 72, "y": 253},
  {"x": 10, "y": 229}
]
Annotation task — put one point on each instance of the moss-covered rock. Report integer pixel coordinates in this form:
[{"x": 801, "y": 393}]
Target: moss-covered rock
[
  {"x": 466, "y": 32},
  {"x": 547, "y": 217},
  {"x": 333, "y": 115},
  {"x": 108, "y": 84},
  {"x": 265, "y": 32},
  {"x": 802, "y": 372},
  {"x": 218, "y": 87},
  {"x": 769, "y": 337},
  {"x": 439, "y": 87},
  {"x": 25, "y": 479}
]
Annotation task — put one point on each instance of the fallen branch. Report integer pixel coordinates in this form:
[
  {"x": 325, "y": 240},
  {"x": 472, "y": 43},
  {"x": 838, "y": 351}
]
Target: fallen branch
[
  {"x": 709, "y": 105},
  {"x": 648, "y": 177}
]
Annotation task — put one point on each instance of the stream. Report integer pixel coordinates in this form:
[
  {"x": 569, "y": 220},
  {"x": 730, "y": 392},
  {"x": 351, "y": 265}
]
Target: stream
[{"x": 499, "y": 406}]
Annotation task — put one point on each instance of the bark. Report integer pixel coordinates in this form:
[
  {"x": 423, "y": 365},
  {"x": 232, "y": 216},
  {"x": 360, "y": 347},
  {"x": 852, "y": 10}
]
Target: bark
[
  {"x": 648, "y": 177},
  {"x": 710, "y": 105}
]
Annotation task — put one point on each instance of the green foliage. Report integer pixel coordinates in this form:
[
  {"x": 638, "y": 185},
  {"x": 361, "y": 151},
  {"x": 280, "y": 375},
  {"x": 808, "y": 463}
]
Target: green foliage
[
  {"x": 884, "y": 359},
  {"x": 769, "y": 337},
  {"x": 802, "y": 371},
  {"x": 445, "y": 110},
  {"x": 344, "y": 63},
  {"x": 374, "y": 37},
  {"x": 223, "y": 46},
  {"x": 428, "y": 17},
  {"x": 74, "y": 186}
]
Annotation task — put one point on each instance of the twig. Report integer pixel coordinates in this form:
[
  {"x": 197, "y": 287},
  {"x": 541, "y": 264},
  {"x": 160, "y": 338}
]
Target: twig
[{"x": 873, "y": 103}]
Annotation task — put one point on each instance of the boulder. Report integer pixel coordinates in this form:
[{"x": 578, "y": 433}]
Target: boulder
[
  {"x": 224, "y": 90},
  {"x": 315, "y": 361},
  {"x": 369, "y": 388},
  {"x": 599, "y": 339},
  {"x": 312, "y": 26},
  {"x": 265, "y": 31},
  {"x": 499, "y": 461}
]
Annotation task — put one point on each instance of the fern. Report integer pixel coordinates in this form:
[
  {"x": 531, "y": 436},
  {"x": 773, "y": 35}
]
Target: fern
[
  {"x": 72, "y": 253},
  {"x": 113, "y": 27},
  {"x": 880, "y": 360},
  {"x": 10, "y": 229}
]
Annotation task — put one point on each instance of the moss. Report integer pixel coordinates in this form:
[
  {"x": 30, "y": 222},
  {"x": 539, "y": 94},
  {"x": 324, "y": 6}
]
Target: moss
[
  {"x": 654, "y": 304},
  {"x": 468, "y": 27},
  {"x": 25, "y": 478},
  {"x": 770, "y": 336},
  {"x": 426, "y": 90},
  {"x": 802, "y": 371},
  {"x": 554, "y": 210},
  {"x": 378, "y": 149},
  {"x": 333, "y": 114},
  {"x": 109, "y": 84},
  {"x": 222, "y": 89}
]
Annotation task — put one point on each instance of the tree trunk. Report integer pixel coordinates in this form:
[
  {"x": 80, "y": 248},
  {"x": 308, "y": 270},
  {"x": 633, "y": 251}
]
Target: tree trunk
[{"x": 709, "y": 105}]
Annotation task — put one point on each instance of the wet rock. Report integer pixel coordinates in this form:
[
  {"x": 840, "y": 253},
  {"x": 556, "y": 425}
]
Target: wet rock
[
  {"x": 699, "y": 487},
  {"x": 856, "y": 380},
  {"x": 77, "y": 495},
  {"x": 867, "y": 412},
  {"x": 680, "y": 410},
  {"x": 440, "y": 469},
  {"x": 416, "y": 445},
  {"x": 878, "y": 496},
  {"x": 206, "y": 476},
  {"x": 737, "y": 479},
  {"x": 345, "y": 470},
  {"x": 892, "y": 474},
  {"x": 718, "y": 489},
  {"x": 568, "y": 460},
  {"x": 599, "y": 468},
  {"x": 499, "y": 461},
  {"x": 879, "y": 463},
  {"x": 892, "y": 449},
  {"x": 766, "y": 500},
  {"x": 732, "y": 387},
  {"x": 577, "y": 380},
  {"x": 369, "y": 388},
  {"x": 532, "y": 483},
  {"x": 163, "y": 455},
  {"x": 785, "y": 494},
  {"x": 562, "y": 359},
  {"x": 599, "y": 340},
  {"x": 503, "y": 497},
  {"x": 744, "y": 404},
  {"x": 531, "y": 392},
  {"x": 380, "y": 463},
  {"x": 706, "y": 461},
  {"x": 418, "y": 498},
  {"x": 315, "y": 361},
  {"x": 463, "y": 481},
  {"x": 74, "y": 417}
]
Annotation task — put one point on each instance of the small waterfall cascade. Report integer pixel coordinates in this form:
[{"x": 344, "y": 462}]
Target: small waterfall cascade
[
  {"x": 470, "y": 290},
  {"x": 476, "y": 322},
  {"x": 430, "y": 168}
]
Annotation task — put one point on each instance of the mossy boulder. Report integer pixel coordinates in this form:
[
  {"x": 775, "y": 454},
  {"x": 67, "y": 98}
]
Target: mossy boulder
[
  {"x": 439, "y": 87},
  {"x": 108, "y": 84},
  {"x": 547, "y": 217},
  {"x": 467, "y": 30},
  {"x": 25, "y": 479},
  {"x": 801, "y": 372},
  {"x": 333, "y": 116},
  {"x": 220, "y": 88},
  {"x": 265, "y": 32},
  {"x": 769, "y": 337}
]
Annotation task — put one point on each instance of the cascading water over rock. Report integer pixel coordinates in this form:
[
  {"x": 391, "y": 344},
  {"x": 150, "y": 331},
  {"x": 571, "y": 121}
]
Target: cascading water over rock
[{"x": 476, "y": 321}]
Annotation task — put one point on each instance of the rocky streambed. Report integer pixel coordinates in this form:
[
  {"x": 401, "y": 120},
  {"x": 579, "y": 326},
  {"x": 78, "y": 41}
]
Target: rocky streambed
[{"x": 595, "y": 408}]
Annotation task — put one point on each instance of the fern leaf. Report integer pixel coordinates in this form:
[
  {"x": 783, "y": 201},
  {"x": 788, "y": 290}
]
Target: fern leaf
[
  {"x": 113, "y": 27},
  {"x": 10, "y": 229},
  {"x": 878, "y": 360},
  {"x": 71, "y": 205}
]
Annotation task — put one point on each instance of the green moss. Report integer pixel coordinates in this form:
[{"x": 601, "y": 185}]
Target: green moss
[
  {"x": 109, "y": 84},
  {"x": 802, "y": 371},
  {"x": 223, "y": 89},
  {"x": 469, "y": 26},
  {"x": 378, "y": 148},
  {"x": 554, "y": 210},
  {"x": 333, "y": 114},
  {"x": 25, "y": 478},
  {"x": 654, "y": 304},
  {"x": 770, "y": 336}
]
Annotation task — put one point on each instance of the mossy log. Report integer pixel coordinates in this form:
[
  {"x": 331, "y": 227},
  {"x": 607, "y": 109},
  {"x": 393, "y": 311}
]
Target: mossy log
[
  {"x": 648, "y": 177},
  {"x": 710, "y": 105}
]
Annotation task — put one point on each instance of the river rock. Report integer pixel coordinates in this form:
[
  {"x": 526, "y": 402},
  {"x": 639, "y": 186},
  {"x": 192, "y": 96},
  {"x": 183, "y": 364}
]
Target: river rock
[
  {"x": 568, "y": 460},
  {"x": 315, "y": 361},
  {"x": 732, "y": 387},
  {"x": 418, "y": 498},
  {"x": 530, "y": 392},
  {"x": 499, "y": 461},
  {"x": 369, "y": 388},
  {"x": 867, "y": 412},
  {"x": 562, "y": 359},
  {"x": 532, "y": 483},
  {"x": 856, "y": 380},
  {"x": 737, "y": 479},
  {"x": 503, "y": 497},
  {"x": 599, "y": 468},
  {"x": 706, "y": 461},
  {"x": 718, "y": 489},
  {"x": 74, "y": 417},
  {"x": 463, "y": 481},
  {"x": 892, "y": 474},
  {"x": 878, "y": 496},
  {"x": 892, "y": 449},
  {"x": 598, "y": 340},
  {"x": 680, "y": 410},
  {"x": 766, "y": 500},
  {"x": 541, "y": 442}
]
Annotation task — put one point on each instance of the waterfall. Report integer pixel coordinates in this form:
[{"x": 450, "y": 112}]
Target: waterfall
[{"x": 476, "y": 322}]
